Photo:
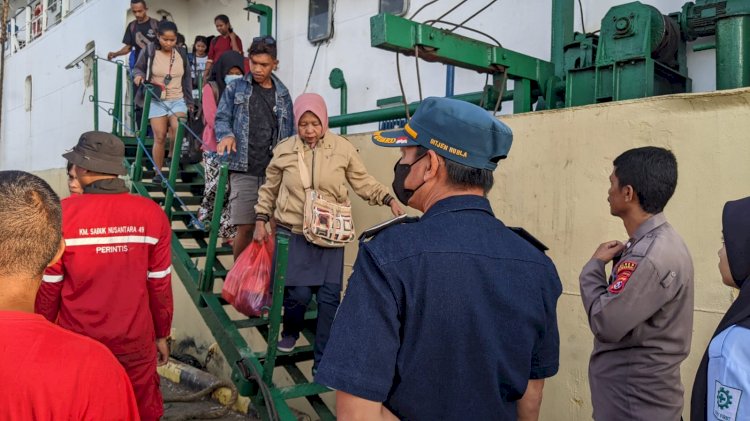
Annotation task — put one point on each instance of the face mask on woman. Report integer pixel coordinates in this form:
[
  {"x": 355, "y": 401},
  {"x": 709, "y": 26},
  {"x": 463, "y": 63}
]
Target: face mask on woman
[{"x": 229, "y": 78}]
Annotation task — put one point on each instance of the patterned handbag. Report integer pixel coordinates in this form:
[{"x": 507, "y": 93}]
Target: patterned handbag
[{"x": 325, "y": 224}]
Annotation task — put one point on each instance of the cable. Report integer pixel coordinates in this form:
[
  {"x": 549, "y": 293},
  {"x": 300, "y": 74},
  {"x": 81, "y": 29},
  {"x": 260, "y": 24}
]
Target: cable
[
  {"x": 466, "y": 28},
  {"x": 473, "y": 16},
  {"x": 419, "y": 79},
  {"x": 449, "y": 11},
  {"x": 193, "y": 219},
  {"x": 270, "y": 405},
  {"x": 401, "y": 85},
  {"x": 420, "y": 9},
  {"x": 583, "y": 24},
  {"x": 211, "y": 414},
  {"x": 501, "y": 93},
  {"x": 312, "y": 68}
]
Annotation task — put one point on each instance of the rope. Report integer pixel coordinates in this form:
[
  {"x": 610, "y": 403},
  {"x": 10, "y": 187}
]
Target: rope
[
  {"x": 212, "y": 413},
  {"x": 271, "y": 411},
  {"x": 419, "y": 79},
  {"x": 473, "y": 16},
  {"x": 193, "y": 219},
  {"x": 486, "y": 80},
  {"x": 129, "y": 74},
  {"x": 401, "y": 86},
  {"x": 312, "y": 68},
  {"x": 501, "y": 93},
  {"x": 583, "y": 24},
  {"x": 449, "y": 11},
  {"x": 420, "y": 9}
]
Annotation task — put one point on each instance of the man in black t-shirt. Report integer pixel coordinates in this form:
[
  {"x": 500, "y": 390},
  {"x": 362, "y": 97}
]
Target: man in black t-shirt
[
  {"x": 138, "y": 33},
  {"x": 253, "y": 115}
]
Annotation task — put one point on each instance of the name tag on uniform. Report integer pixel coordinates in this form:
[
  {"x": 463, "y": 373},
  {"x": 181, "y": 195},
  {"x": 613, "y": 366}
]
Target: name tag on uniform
[{"x": 726, "y": 402}]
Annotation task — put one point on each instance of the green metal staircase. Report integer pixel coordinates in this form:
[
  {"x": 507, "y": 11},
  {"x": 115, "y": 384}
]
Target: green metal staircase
[{"x": 196, "y": 261}]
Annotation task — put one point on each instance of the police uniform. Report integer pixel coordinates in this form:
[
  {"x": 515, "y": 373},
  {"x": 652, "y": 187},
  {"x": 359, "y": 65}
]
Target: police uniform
[
  {"x": 451, "y": 315},
  {"x": 642, "y": 320}
]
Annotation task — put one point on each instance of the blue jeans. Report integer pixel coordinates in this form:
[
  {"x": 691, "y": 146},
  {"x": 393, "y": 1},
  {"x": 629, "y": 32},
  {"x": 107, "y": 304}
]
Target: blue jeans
[{"x": 296, "y": 300}]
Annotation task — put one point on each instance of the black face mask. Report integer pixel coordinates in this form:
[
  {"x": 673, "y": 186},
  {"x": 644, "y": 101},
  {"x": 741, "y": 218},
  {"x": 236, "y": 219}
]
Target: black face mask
[{"x": 400, "y": 172}]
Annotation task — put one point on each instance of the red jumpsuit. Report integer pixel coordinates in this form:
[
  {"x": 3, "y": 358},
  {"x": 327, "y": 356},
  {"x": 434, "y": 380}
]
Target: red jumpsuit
[{"x": 113, "y": 283}]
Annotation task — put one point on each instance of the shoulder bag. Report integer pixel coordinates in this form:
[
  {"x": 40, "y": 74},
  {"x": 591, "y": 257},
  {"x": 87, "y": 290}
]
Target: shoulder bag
[{"x": 325, "y": 224}]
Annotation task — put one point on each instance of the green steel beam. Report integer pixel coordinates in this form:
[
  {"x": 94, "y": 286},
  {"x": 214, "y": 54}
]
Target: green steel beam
[
  {"x": 95, "y": 70},
  {"x": 337, "y": 81},
  {"x": 117, "y": 112},
  {"x": 563, "y": 13},
  {"x": 136, "y": 171},
  {"x": 265, "y": 16},
  {"x": 391, "y": 113},
  {"x": 174, "y": 167},
  {"x": 522, "y": 100},
  {"x": 382, "y": 102},
  {"x": 733, "y": 52},
  {"x": 207, "y": 281},
  {"x": 274, "y": 316},
  {"x": 394, "y": 33}
]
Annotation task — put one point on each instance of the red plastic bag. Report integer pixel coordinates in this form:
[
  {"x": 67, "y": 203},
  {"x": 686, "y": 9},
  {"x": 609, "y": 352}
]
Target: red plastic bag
[{"x": 247, "y": 286}]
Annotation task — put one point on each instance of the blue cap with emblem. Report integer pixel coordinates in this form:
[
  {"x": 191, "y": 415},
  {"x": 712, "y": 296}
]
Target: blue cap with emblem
[{"x": 456, "y": 130}]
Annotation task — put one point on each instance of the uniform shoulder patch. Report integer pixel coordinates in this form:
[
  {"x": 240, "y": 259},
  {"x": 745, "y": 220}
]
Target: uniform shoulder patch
[
  {"x": 726, "y": 402},
  {"x": 622, "y": 274},
  {"x": 371, "y": 232}
]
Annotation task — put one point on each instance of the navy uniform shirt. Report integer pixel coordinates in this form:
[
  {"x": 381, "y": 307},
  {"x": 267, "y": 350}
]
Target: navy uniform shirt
[{"x": 446, "y": 318}]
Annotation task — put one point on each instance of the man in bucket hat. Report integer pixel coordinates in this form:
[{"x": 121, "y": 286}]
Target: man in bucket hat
[
  {"x": 453, "y": 315},
  {"x": 113, "y": 281}
]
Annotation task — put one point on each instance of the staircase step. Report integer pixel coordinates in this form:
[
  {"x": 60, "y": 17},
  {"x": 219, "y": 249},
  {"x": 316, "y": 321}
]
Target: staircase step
[
  {"x": 201, "y": 252},
  {"x": 179, "y": 187},
  {"x": 188, "y": 200},
  {"x": 189, "y": 233}
]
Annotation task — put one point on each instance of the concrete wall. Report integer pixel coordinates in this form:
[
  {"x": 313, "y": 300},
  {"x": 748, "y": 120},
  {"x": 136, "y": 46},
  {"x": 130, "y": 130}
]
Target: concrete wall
[{"x": 555, "y": 185}]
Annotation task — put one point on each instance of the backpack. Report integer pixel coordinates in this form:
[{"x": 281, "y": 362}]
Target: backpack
[
  {"x": 152, "y": 22},
  {"x": 150, "y": 51},
  {"x": 191, "y": 152}
]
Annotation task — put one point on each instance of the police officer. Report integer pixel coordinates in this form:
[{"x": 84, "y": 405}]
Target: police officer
[
  {"x": 454, "y": 314},
  {"x": 641, "y": 315}
]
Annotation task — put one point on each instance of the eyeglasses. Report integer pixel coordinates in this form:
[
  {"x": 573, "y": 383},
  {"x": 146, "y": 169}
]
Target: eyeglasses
[{"x": 267, "y": 39}]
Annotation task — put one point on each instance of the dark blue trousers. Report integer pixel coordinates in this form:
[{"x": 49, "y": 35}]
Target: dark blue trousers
[{"x": 296, "y": 300}]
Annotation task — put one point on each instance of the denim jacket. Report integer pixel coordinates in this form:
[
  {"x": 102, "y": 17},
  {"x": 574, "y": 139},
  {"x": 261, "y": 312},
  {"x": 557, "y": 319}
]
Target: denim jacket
[{"x": 232, "y": 118}]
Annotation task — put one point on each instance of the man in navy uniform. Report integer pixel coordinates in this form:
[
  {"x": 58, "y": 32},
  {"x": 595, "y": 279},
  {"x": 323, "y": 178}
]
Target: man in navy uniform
[{"x": 453, "y": 315}]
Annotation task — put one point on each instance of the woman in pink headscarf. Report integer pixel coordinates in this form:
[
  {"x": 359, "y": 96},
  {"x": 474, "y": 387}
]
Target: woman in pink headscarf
[{"x": 332, "y": 163}]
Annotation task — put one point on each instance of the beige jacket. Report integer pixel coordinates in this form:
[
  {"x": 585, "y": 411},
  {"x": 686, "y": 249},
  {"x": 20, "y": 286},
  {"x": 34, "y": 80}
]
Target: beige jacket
[{"x": 333, "y": 163}]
